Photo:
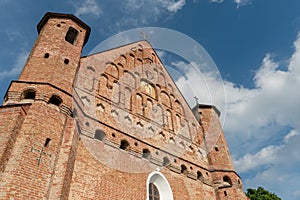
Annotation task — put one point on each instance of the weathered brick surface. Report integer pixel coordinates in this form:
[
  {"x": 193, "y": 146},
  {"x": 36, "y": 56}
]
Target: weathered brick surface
[{"x": 124, "y": 94}]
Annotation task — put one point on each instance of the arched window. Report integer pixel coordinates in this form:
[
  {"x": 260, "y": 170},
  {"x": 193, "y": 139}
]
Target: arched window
[
  {"x": 158, "y": 187},
  {"x": 124, "y": 145},
  {"x": 99, "y": 135},
  {"x": 199, "y": 175},
  {"x": 71, "y": 35},
  {"x": 226, "y": 179},
  {"x": 56, "y": 100},
  {"x": 146, "y": 153},
  {"x": 166, "y": 161},
  {"x": 29, "y": 94},
  {"x": 148, "y": 88},
  {"x": 183, "y": 170},
  {"x": 153, "y": 192}
]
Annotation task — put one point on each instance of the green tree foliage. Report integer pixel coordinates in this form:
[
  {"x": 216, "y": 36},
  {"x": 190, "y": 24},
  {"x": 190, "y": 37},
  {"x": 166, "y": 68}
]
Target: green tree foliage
[{"x": 261, "y": 194}]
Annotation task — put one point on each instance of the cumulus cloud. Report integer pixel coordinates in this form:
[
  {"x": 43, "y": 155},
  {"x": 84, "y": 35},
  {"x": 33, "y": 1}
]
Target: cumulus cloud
[
  {"x": 144, "y": 11},
  {"x": 262, "y": 123},
  {"x": 242, "y": 2},
  {"x": 174, "y": 6},
  {"x": 87, "y": 7},
  {"x": 238, "y": 2},
  {"x": 217, "y": 1},
  {"x": 128, "y": 13},
  {"x": 266, "y": 156},
  {"x": 17, "y": 67}
]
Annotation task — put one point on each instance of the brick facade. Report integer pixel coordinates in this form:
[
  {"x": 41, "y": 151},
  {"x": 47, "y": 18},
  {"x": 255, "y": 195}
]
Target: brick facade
[{"x": 106, "y": 126}]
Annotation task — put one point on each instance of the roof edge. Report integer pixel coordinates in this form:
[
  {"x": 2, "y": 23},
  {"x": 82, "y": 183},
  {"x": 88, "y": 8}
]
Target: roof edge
[{"x": 208, "y": 106}]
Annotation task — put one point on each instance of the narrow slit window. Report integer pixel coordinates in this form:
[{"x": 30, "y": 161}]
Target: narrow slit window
[
  {"x": 47, "y": 141},
  {"x": 71, "y": 35}
]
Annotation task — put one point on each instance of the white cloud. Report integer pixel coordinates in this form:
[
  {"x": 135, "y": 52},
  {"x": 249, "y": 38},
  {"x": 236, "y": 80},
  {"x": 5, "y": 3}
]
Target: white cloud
[
  {"x": 12, "y": 35},
  {"x": 291, "y": 135},
  {"x": 262, "y": 123},
  {"x": 174, "y": 6},
  {"x": 217, "y": 1},
  {"x": 147, "y": 11},
  {"x": 296, "y": 193},
  {"x": 266, "y": 156},
  {"x": 17, "y": 67},
  {"x": 242, "y": 2},
  {"x": 87, "y": 7},
  {"x": 238, "y": 2}
]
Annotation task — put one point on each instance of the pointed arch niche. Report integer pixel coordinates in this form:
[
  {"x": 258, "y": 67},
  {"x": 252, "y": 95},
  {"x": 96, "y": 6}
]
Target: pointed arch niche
[{"x": 160, "y": 182}]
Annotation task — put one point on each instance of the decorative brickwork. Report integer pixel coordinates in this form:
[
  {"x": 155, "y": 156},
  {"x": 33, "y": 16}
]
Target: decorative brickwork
[{"x": 112, "y": 125}]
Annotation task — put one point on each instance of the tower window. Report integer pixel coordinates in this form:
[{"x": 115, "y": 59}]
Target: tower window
[
  {"x": 227, "y": 180},
  {"x": 46, "y": 55},
  {"x": 124, "y": 145},
  {"x": 199, "y": 175},
  {"x": 66, "y": 61},
  {"x": 184, "y": 170},
  {"x": 71, "y": 35},
  {"x": 166, "y": 161},
  {"x": 47, "y": 142},
  {"x": 29, "y": 94},
  {"x": 55, "y": 100},
  {"x": 153, "y": 192},
  {"x": 99, "y": 135},
  {"x": 146, "y": 153}
]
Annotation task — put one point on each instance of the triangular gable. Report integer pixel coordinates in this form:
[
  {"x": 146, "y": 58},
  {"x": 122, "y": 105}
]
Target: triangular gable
[{"x": 137, "y": 95}]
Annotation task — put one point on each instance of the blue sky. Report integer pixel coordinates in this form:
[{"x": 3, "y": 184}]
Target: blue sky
[{"x": 255, "y": 45}]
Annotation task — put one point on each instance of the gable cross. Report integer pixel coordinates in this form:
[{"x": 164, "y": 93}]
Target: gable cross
[
  {"x": 196, "y": 99},
  {"x": 145, "y": 36}
]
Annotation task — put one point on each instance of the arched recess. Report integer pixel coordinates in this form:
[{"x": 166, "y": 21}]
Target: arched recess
[
  {"x": 28, "y": 94},
  {"x": 89, "y": 79},
  {"x": 112, "y": 69},
  {"x": 161, "y": 183},
  {"x": 165, "y": 99},
  {"x": 103, "y": 85},
  {"x": 129, "y": 79}
]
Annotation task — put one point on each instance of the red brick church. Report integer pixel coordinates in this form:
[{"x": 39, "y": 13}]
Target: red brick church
[{"x": 108, "y": 126}]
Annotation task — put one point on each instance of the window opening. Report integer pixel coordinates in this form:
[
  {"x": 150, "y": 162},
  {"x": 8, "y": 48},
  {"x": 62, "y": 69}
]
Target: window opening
[
  {"x": 199, "y": 175},
  {"x": 124, "y": 145},
  {"x": 99, "y": 135},
  {"x": 183, "y": 169},
  {"x": 29, "y": 94},
  {"x": 153, "y": 192},
  {"x": 47, "y": 142},
  {"x": 146, "y": 153},
  {"x": 166, "y": 161},
  {"x": 227, "y": 180},
  {"x": 66, "y": 61},
  {"x": 46, "y": 55},
  {"x": 55, "y": 100},
  {"x": 71, "y": 35}
]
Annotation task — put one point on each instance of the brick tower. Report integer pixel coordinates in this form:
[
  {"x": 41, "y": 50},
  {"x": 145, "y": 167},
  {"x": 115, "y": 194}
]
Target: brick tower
[
  {"x": 37, "y": 144},
  {"x": 108, "y": 126}
]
